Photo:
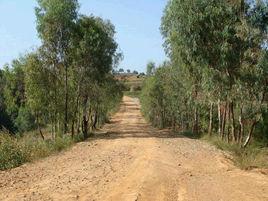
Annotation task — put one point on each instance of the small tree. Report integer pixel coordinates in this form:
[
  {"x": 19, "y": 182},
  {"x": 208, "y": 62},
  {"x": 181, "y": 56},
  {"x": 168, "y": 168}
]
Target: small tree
[{"x": 150, "y": 68}]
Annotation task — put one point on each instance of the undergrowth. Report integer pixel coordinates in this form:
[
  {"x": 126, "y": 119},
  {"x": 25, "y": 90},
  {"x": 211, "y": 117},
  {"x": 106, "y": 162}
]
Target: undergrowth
[
  {"x": 15, "y": 151},
  {"x": 253, "y": 156}
]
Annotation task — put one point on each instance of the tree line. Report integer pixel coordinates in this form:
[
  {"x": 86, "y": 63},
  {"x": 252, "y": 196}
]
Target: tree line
[
  {"x": 66, "y": 85},
  {"x": 216, "y": 78}
]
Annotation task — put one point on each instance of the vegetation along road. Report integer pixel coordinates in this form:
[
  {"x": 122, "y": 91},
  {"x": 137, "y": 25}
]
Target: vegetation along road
[{"x": 129, "y": 160}]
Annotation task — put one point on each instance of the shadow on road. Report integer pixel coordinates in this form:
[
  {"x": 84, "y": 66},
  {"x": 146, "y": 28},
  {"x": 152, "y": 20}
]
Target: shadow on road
[{"x": 128, "y": 122}]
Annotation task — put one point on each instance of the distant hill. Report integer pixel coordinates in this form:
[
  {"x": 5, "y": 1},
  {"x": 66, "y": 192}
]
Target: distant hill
[{"x": 132, "y": 81}]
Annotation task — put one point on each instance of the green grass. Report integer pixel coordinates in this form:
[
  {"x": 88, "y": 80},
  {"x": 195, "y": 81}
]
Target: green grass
[
  {"x": 15, "y": 151},
  {"x": 254, "y": 156}
]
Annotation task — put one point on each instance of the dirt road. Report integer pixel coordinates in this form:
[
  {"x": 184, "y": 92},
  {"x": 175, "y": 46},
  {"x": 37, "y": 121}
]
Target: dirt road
[{"x": 131, "y": 161}]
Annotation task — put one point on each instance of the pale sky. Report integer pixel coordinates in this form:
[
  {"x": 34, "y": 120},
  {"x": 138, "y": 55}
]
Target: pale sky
[{"x": 137, "y": 24}]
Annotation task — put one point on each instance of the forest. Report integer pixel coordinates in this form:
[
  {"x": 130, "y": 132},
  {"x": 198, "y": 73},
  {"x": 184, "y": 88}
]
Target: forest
[
  {"x": 62, "y": 89},
  {"x": 215, "y": 82}
]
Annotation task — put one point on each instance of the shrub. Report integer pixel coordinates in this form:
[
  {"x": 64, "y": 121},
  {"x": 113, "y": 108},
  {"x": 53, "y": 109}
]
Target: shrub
[
  {"x": 15, "y": 151},
  {"x": 62, "y": 143},
  {"x": 34, "y": 148},
  {"x": 11, "y": 153},
  {"x": 25, "y": 120}
]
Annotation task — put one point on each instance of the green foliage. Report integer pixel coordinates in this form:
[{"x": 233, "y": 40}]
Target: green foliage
[
  {"x": 217, "y": 58},
  {"x": 152, "y": 100},
  {"x": 5, "y": 119},
  {"x": 66, "y": 85},
  {"x": 161, "y": 95},
  {"x": 55, "y": 21},
  {"x": 11, "y": 153},
  {"x": 216, "y": 80},
  {"x": 25, "y": 120},
  {"x": 68, "y": 80},
  {"x": 14, "y": 88},
  {"x": 150, "y": 68},
  {"x": 15, "y": 151},
  {"x": 12, "y": 93}
]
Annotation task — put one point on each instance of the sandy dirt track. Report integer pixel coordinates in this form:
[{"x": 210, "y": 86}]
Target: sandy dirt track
[{"x": 128, "y": 160}]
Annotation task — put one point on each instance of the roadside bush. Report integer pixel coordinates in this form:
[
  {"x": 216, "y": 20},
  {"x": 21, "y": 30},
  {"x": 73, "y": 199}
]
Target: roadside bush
[
  {"x": 15, "y": 151},
  {"x": 11, "y": 153},
  {"x": 62, "y": 143},
  {"x": 34, "y": 147}
]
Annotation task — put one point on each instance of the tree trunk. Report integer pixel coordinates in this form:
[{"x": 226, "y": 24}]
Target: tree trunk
[
  {"x": 241, "y": 127},
  {"x": 228, "y": 122},
  {"x": 95, "y": 120},
  {"x": 250, "y": 134},
  {"x": 85, "y": 118},
  {"x": 223, "y": 123},
  {"x": 219, "y": 118},
  {"x": 181, "y": 126},
  {"x": 78, "y": 120},
  {"x": 52, "y": 129},
  {"x": 210, "y": 119},
  {"x": 73, "y": 129},
  {"x": 39, "y": 128},
  {"x": 195, "y": 126},
  {"x": 233, "y": 121},
  {"x": 85, "y": 127},
  {"x": 173, "y": 122},
  {"x": 66, "y": 101}
]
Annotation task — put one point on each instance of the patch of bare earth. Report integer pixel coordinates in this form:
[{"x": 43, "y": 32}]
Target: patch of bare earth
[{"x": 129, "y": 160}]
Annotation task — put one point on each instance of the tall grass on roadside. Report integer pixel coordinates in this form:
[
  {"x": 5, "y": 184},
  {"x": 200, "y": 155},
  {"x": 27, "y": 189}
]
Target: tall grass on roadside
[
  {"x": 11, "y": 152},
  {"x": 254, "y": 156},
  {"x": 15, "y": 151}
]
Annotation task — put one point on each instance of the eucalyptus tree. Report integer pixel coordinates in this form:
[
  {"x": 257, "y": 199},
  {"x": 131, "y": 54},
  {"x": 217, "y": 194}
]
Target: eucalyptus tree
[
  {"x": 203, "y": 36},
  {"x": 68, "y": 80},
  {"x": 150, "y": 68},
  {"x": 154, "y": 97},
  {"x": 95, "y": 52},
  {"x": 2, "y": 104},
  {"x": 5, "y": 121},
  {"x": 218, "y": 55},
  {"x": 150, "y": 99},
  {"x": 38, "y": 86},
  {"x": 55, "y": 24},
  {"x": 15, "y": 98},
  {"x": 14, "y": 88},
  {"x": 2, "y": 84}
]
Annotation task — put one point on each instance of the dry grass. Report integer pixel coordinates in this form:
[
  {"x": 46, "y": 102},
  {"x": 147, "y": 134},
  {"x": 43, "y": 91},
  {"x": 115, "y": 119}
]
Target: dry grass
[
  {"x": 15, "y": 151},
  {"x": 131, "y": 81},
  {"x": 248, "y": 158}
]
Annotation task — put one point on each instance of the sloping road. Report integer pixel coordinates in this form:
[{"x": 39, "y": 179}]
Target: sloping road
[{"x": 131, "y": 161}]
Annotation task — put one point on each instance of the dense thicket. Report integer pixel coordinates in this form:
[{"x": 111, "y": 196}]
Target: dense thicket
[
  {"x": 216, "y": 80},
  {"x": 66, "y": 85}
]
